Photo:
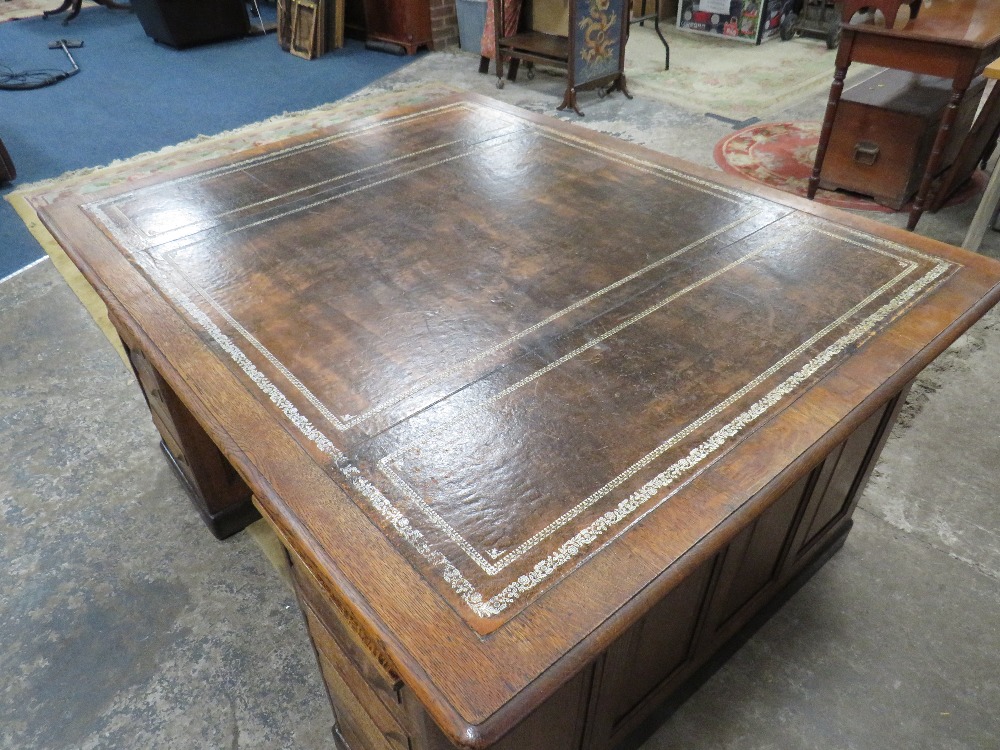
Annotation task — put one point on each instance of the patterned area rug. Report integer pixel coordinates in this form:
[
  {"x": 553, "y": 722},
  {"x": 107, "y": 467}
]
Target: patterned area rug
[
  {"x": 11, "y": 10},
  {"x": 736, "y": 80},
  {"x": 781, "y": 155}
]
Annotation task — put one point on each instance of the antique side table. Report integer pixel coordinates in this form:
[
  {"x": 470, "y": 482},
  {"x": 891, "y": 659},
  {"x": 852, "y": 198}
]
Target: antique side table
[{"x": 953, "y": 40}]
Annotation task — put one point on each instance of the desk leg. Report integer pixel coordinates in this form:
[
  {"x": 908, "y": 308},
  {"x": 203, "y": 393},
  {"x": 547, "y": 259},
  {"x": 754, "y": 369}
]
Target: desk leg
[
  {"x": 987, "y": 205},
  {"x": 937, "y": 152},
  {"x": 836, "y": 89},
  {"x": 218, "y": 493}
]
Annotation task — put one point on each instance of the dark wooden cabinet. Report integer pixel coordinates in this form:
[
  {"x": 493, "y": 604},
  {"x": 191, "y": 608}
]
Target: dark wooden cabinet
[{"x": 406, "y": 23}]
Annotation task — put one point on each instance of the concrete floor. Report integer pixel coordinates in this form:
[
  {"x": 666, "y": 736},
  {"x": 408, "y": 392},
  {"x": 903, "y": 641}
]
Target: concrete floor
[{"x": 124, "y": 624}]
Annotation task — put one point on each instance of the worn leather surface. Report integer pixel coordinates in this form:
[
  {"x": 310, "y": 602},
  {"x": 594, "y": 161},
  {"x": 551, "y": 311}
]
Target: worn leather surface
[{"x": 501, "y": 382}]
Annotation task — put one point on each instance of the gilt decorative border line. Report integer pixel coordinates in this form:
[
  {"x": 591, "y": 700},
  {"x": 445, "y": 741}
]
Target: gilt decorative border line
[
  {"x": 498, "y": 565},
  {"x": 135, "y": 240},
  {"x": 646, "y": 499},
  {"x": 665, "y": 479},
  {"x": 585, "y": 538}
]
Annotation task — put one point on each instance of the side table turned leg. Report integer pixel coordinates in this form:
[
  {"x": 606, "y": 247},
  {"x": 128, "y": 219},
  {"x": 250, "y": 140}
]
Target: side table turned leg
[
  {"x": 836, "y": 89},
  {"x": 937, "y": 153}
]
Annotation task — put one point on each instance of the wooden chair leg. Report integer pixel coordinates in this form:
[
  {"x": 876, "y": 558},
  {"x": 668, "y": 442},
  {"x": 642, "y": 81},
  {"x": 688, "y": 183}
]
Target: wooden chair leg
[
  {"x": 74, "y": 12},
  {"x": 57, "y": 11}
]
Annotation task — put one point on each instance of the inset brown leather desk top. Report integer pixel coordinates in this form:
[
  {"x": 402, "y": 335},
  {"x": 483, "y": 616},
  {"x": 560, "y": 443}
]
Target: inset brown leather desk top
[{"x": 496, "y": 377}]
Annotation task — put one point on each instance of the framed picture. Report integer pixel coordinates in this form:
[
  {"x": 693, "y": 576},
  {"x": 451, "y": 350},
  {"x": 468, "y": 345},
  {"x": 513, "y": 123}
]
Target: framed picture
[
  {"x": 307, "y": 21},
  {"x": 751, "y": 21}
]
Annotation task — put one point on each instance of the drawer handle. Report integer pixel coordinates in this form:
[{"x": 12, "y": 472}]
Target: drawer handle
[{"x": 866, "y": 152}]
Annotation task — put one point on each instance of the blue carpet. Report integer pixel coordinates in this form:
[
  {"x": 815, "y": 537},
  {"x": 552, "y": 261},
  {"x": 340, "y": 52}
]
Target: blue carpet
[{"x": 134, "y": 95}]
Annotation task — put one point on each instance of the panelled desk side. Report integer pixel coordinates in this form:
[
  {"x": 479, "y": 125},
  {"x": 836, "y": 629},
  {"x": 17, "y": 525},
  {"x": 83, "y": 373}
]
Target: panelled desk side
[{"x": 402, "y": 662}]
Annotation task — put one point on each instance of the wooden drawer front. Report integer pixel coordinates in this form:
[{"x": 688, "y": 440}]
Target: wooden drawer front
[
  {"x": 351, "y": 646},
  {"x": 153, "y": 389},
  {"x": 364, "y": 721},
  {"x": 175, "y": 449}
]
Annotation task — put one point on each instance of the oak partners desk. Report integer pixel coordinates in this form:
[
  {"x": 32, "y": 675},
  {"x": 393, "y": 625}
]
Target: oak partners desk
[
  {"x": 542, "y": 418},
  {"x": 954, "y": 40}
]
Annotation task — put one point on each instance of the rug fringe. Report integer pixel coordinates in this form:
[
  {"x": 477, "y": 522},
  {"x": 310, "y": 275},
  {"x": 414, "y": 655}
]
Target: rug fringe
[
  {"x": 71, "y": 274},
  {"x": 362, "y": 96}
]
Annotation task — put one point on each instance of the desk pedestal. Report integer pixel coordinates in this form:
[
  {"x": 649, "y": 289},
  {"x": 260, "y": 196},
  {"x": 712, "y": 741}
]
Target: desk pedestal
[
  {"x": 607, "y": 704},
  {"x": 217, "y": 491}
]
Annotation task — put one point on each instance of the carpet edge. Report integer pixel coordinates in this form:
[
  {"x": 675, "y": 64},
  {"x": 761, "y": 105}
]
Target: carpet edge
[
  {"x": 76, "y": 281},
  {"x": 232, "y": 134}
]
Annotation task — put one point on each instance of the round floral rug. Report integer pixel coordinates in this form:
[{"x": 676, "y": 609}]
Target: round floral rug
[{"x": 781, "y": 155}]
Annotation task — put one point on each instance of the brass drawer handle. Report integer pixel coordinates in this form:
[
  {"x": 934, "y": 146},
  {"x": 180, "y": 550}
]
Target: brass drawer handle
[{"x": 866, "y": 152}]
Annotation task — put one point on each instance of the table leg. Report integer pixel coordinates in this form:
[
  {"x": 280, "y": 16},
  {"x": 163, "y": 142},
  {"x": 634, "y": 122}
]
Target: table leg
[
  {"x": 937, "y": 153},
  {"x": 61, "y": 9},
  {"x": 836, "y": 89},
  {"x": 987, "y": 206},
  {"x": 498, "y": 33},
  {"x": 217, "y": 491}
]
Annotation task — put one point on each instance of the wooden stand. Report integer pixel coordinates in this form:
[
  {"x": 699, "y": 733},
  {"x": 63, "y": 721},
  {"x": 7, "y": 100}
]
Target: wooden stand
[
  {"x": 950, "y": 40},
  {"x": 593, "y": 53}
]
